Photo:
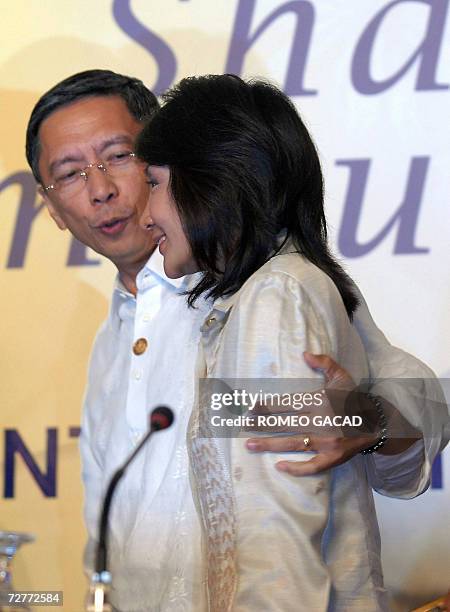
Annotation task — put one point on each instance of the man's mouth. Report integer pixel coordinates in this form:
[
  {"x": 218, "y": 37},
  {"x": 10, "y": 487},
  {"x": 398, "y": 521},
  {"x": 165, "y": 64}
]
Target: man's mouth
[{"x": 113, "y": 226}]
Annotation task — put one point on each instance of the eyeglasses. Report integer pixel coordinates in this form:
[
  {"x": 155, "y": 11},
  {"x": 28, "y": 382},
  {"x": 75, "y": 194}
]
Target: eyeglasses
[{"x": 72, "y": 179}]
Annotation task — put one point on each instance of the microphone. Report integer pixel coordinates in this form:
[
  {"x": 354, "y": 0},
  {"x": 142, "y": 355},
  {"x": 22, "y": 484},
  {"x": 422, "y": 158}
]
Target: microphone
[{"x": 160, "y": 418}]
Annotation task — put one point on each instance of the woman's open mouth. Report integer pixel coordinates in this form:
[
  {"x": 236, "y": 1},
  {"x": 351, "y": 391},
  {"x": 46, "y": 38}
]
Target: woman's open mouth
[{"x": 161, "y": 243}]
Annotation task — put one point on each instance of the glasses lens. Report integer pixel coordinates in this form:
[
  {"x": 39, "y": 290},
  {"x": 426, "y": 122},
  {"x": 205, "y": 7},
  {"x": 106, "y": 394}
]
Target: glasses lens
[
  {"x": 120, "y": 163},
  {"x": 70, "y": 185}
]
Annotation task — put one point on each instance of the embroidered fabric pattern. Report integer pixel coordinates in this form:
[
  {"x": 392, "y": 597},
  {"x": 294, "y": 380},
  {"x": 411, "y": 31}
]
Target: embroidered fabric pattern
[
  {"x": 215, "y": 499},
  {"x": 178, "y": 597}
]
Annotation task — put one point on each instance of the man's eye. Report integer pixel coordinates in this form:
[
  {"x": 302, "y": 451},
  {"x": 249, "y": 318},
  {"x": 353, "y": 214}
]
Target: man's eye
[
  {"x": 68, "y": 176},
  {"x": 120, "y": 157},
  {"x": 151, "y": 182}
]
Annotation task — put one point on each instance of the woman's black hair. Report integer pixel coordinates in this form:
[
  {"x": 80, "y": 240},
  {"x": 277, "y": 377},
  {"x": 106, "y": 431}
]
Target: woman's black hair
[{"x": 243, "y": 168}]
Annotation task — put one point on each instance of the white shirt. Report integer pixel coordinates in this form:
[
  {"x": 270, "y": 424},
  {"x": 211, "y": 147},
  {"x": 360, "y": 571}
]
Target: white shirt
[
  {"x": 155, "y": 540},
  {"x": 154, "y": 555}
]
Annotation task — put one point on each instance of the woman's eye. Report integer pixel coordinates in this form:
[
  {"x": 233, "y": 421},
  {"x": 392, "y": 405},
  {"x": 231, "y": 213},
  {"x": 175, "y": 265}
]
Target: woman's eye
[{"x": 150, "y": 180}]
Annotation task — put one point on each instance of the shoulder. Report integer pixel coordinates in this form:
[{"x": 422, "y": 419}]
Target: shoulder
[
  {"x": 288, "y": 285},
  {"x": 262, "y": 329},
  {"x": 289, "y": 276}
]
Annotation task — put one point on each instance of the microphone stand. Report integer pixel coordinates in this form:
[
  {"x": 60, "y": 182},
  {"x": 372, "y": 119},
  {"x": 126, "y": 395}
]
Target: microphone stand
[{"x": 97, "y": 599}]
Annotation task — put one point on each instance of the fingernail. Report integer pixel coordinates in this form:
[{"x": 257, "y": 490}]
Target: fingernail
[
  {"x": 282, "y": 466},
  {"x": 253, "y": 445}
]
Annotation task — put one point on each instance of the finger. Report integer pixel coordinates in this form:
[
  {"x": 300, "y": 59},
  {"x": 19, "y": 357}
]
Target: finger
[
  {"x": 320, "y": 362},
  {"x": 317, "y": 464},
  {"x": 280, "y": 444},
  {"x": 272, "y": 429},
  {"x": 272, "y": 409},
  {"x": 331, "y": 370},
  {"x": 272, "y": 424}
]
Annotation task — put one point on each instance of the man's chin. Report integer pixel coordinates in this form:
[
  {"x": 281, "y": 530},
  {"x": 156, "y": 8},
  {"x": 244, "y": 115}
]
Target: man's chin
[{"x": 124, "y": 259}]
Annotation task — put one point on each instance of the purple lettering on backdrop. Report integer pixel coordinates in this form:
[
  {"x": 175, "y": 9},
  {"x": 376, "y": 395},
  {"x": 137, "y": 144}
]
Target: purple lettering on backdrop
[
  {"x": 26, "y": 214},
  {"x": 158, "y": 49},
  {"x": 406, "y": 216},
  {"x": 436, "y": 473},
  {"x": 78, "y": 255},
  {"x": 241, "y": 41},
  {"x": 45, "y": 480},
  {"x": 427, "y": 53}
]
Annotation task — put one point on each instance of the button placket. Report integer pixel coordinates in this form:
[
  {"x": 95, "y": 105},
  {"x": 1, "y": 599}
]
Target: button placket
[{"x": 140, "y": 343}]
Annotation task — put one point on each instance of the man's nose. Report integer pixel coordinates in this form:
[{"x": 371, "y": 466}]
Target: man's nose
[{"x": 101, "y": 186}]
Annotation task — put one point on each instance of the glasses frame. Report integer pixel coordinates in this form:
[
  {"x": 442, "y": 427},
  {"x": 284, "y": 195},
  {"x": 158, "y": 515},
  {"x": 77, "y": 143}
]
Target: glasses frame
[{"x": 84, "y": 174}]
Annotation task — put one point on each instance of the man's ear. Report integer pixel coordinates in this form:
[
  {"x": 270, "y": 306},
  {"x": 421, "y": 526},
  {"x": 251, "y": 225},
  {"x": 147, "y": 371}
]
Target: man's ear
[{"x": 52, "y": 209}]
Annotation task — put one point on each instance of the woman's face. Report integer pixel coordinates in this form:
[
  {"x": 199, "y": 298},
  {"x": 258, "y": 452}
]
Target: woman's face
[{"x": 162, "y": 214}]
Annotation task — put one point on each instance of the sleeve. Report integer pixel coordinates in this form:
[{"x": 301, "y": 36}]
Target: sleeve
[
  {"x": 91, "y": 464},
  {"x": 279, "y": 519},
  {"x": 93, "y": 483},
  {"x": 412, "y": 387}
]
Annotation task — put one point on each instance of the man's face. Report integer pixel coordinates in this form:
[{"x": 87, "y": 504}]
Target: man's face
[{"x": 104, "y": 213}]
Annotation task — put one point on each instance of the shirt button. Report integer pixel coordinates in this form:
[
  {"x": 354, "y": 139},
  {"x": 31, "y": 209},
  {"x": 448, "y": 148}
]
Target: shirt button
[
  {"x": 210, "y": 321},
  {"x": 140, "y": 346},
  {"x": 146, "y": 318},
  {"x": 137, "y": 375},
  {"x": 136, "y": 437}
]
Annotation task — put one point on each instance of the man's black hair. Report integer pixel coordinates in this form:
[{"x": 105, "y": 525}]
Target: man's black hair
[{"x": 140, "y": 101}]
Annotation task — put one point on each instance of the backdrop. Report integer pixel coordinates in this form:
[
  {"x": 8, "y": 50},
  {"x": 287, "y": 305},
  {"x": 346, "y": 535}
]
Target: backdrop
[{"x": 372, "y": 80}]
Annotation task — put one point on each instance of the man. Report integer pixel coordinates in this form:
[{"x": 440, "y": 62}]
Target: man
[{"x": 80, "y": 147}]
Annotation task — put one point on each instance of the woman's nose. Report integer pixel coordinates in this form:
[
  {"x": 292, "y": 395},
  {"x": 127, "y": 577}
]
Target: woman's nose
[{"x": 146, "y": 221}]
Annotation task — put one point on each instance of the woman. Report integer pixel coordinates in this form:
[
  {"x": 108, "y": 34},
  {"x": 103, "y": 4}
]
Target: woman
[{"x": 236, "y": 193}]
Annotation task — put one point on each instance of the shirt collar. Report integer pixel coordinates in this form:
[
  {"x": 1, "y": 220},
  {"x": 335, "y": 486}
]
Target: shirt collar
[
  {"x": 155, "y": 265},
  {"x": 154, "y": 268}
]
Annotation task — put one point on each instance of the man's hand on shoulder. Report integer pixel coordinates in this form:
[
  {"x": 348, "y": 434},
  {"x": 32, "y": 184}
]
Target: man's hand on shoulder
[{"x": 332, "y": 445}]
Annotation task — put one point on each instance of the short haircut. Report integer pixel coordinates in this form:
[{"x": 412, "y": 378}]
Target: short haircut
[
  {"x": 140, "y": 101},
  {"x": 243, "y": 170}
]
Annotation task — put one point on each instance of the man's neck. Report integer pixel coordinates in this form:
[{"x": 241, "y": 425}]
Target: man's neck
[
  {"x": 128, "y": 276},
  {"x": 129, "y": 271}
]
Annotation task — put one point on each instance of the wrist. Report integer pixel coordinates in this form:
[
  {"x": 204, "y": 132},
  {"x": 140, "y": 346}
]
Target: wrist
[{"x": 381, "y": 425}]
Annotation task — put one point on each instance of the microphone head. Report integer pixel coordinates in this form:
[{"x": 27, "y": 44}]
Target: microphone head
[{"x": 161, "y": 418}]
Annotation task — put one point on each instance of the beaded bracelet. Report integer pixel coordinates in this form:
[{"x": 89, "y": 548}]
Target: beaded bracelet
[{"x": 382, "y": 421}]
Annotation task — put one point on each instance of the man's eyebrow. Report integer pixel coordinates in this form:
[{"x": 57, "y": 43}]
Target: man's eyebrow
[
  {"x": 109, "y": 142},
  {"x": 120, "y": 139}
]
